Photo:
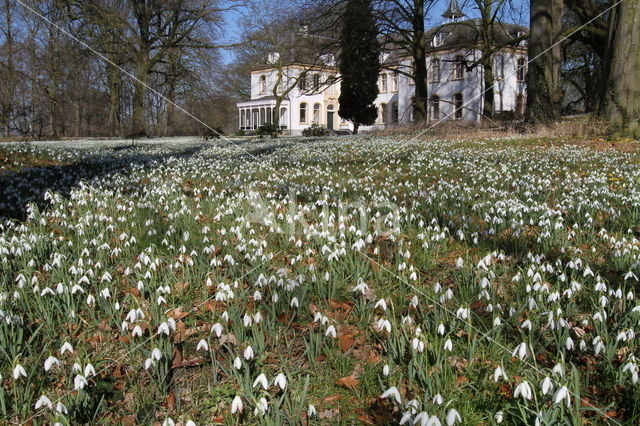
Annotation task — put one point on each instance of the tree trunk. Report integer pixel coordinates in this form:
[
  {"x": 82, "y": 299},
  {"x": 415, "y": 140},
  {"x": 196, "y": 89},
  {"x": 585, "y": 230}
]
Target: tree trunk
[
  {"x": 140, "y": 86},
  {"x": 356, "y": 126},
  {"x": 621, "y": 102},
  {"x": 113, "y": 82},
  {"x": 489, "y": 81},
  {"x": 544, "y": 96},
  {"x": 420, "y": 62}
]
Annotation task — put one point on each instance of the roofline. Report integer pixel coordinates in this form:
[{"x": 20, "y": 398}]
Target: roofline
[{"x": 319, "y": 67}]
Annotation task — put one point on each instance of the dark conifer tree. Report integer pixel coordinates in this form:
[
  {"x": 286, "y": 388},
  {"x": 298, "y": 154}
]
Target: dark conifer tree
[{"x": 359, "y": 64}]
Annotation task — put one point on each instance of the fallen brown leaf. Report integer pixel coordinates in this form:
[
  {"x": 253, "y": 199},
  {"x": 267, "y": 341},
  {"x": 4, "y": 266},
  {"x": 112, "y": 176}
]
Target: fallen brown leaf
[{"x": 349, "y": 382}]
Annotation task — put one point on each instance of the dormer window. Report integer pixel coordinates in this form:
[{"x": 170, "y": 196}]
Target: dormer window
[
  {"x": 263, "y": 84},
  {"x": 439, "y": 39}
]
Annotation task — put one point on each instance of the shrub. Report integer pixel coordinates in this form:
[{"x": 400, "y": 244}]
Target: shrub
[
  {"x": 315, "y": 130},
  {"x": 268, "y": 129}
]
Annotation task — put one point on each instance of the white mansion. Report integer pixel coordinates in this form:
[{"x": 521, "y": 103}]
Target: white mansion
[{"x": 454, "y": 92}]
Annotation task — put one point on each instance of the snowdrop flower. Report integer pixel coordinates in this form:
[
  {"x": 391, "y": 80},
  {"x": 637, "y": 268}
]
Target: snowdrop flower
[
  {"x": 50, "y": 362},
  {"x": 217, "y": 329},
  {"x": 546, "y": 385},
  {"x": 89, "y": 371},
  {"x": 520, "y": 351},
  {"x": 18, "y": 371},
  {"x": 438, "y": 399},
  {"x": 237, "y": 363},
  {"x": 441, "y": 329},
  {"x": 190, "y": 423},
  {"x": 385, "y": 370},
  {"x": 391, "y": 392},
  {"x": 137, "y": 331},
  {"x": 236, "y": 405},
  {"x": 383, "y": 324},
  {"x": 381, "y": 304},
  {"x": 526, "y": 324},
  {"x": 569, "y": 343},
  {"x": 524, "y": 390},
  {"x": 42, "y": 401},
  {"x": 562, "y": 393},
  {"x": 462, "y": 313},
  {"x": 331, "y": 331},
  {"x": 156, "y": 354},
  {"x": 448, "y": 345},
  {"x": 499, "y": 417},
  {"x": 248, "y": 353},
  {"x": 498, "y": 373},
  {"x": 202, "y": 345},
  {"x": 168, "y": 422},
  {"x": 66, "y": 346},
  {"x": 417, "y": 345},
  {"x": 261, "y": 407},
  {"x": 311, "y": 411},
  {"x": 164, "y": 328},
  {"x": 433, "y": 421},
  {"x": 280, "y": 381},
  {"x": 453, "y": 417},
  {"x": 261, "y": 380},
  {"x": 79, "y": 382}
]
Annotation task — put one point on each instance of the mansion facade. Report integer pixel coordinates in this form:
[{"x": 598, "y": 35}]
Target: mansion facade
[{"x": 456, "y": 91}]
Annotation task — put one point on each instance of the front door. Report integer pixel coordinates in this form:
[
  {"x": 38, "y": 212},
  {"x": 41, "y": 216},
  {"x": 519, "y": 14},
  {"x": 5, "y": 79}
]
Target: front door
[{"x": 330, "y": 120}]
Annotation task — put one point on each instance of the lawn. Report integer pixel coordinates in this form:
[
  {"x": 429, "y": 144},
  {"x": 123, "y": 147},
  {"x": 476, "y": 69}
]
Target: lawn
[{"x": 358, "y": 280}]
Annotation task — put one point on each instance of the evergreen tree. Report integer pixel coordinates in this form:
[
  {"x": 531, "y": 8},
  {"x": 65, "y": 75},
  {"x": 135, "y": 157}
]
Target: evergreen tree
[{"x": 359, "y": 64}]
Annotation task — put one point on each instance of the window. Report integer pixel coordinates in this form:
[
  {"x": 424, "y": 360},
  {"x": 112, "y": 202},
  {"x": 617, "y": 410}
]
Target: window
[
  {"x": 458, "y": 67},
  {"x": 412, "y": 72},
  {"x": 498, "y": 102},
  {"x": 263, "y": 116},
  {"x": 263, "y": 84},
  {"x": 413, "y": 108},
  {"x": 241, "y": 119},
  {"x": 283, "y": 118},
  {"x": 394, "y": 81},
  {"x": 522, "y": 69},
  {"x": 435, "y": 107},
  {"x": 457, "y": 105},
  {"x": 499, "y": 67},
  {"x": 303, "y": 112},
  {"x": 519, "y": 106},
  {"x": 439, "y": 39},
  {"x": 316, "y": 113},
  {"x": 383, "y": 83},
  {"x": 435, "y": 70},
  {"x": 316, "y": 82},
  {"x": 302, "y": 83},
  {"x": 383, "y": 113},
  {"x": 394, "y": 112}
]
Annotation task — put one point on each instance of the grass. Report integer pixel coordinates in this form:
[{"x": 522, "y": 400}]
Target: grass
[{"x": 435, "y": 264}]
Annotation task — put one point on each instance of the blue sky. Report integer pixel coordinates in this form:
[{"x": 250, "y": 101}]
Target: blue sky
[{"x": 518, "y": 12}]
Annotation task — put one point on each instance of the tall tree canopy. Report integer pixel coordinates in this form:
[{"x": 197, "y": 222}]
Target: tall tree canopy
[{"x": 359, "y": 64}]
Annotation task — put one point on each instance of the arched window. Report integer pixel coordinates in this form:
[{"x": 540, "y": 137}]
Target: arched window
[
  {"x": 263, "y": 84},
  {"x": 458, "y": 67},
  {"x": 303, "y": 112},
  {"x": 519, "y": 106},
  {"x": 316, "y": 82},
  {"x": 457, "y": 105},
  {"x": 394, "y": 81},
  {"x": 435, "y": 107},
  {"x": 383, "y": 113},
  {"x": 383, "y": 82},
  {"x": 395, "y": 113},
  {"x": 435, "y": 70},
  {"x": 316, "y": 113},
  {"x": 522, "y": 69}
]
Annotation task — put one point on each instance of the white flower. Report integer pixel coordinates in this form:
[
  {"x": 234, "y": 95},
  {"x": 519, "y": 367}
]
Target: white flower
[
  {"x": 448, "y": 345},
  {"x": 562, "y": 393},
  {"x": 381, "y": 304},
  {"x": 261, "y": 380},
  {"x": 261, "y": 407},
  {"x": 546, "y": 385},
  {"x": 524, "y": 390},
  {"x": 236, "y": 405},
  {"x": 137, "y": 331},
  {"x": 89, "y": 370},
  {"x": 441, "y": 329},
  {"x": 331, "y": 331},
  {"x": 462, "y": 313},
  {"x": 295, "y": 303},
  {"x": 438, "y": 399},
  {"x": 280, "y": 381},
  {"x": 168, "y": 422},
  {"x": 453, "y": 416},
  {"x": 164, "y": 328},
  {"x": 18, "y": 371},
  {"x": 50, "y": 362},
  {"x": 433, "y": 421},
  {"x": 43, "y": 400},
  {"x": 526, "y": 324},
  {"x": 311, "y": 411},
  {"x": 499, "y": 372},
  {"x": 190, "y": 423},
  {"x": 248, "y": 353},
  {"x": 156, "y": 354},
  {"x": 499, "y": 417},
  {"x": 385, "y": 370},
  {"x": 202, "y": 345},
  {"x": 521, "y": 351},
  {"x": 392, "y": 391},
  {"x": 237, "y": 363},
  {"x": 66, "y": 346},
  {"x": 217, "y": 329},
  {"x": 79, "y": 382}
]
